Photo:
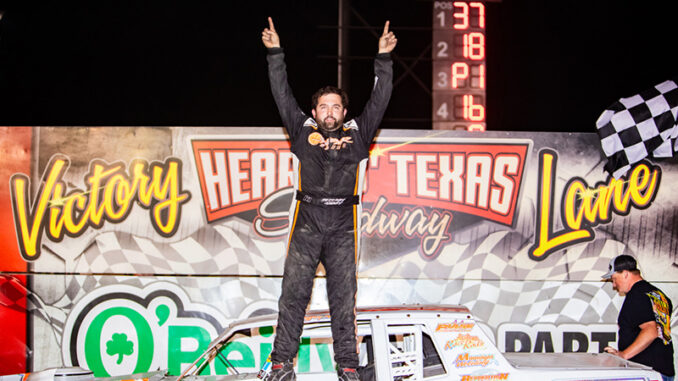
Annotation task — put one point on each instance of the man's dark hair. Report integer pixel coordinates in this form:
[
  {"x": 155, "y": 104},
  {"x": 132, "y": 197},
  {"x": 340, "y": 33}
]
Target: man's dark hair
[{"x": 329, "y": 90}]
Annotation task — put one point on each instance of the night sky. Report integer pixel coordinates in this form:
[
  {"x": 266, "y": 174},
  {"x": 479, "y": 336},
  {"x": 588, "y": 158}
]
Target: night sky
[{"x": 551, "y": 65}]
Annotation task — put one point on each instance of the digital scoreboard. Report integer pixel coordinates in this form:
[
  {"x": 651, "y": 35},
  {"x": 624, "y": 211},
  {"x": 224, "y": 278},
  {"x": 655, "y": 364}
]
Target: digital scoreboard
[{"x": 459, "y": 65}]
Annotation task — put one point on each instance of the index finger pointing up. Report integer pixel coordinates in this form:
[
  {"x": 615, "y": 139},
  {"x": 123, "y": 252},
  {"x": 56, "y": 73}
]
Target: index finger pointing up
[
  {"x": 386, "y": 28},
  {"x": 270, "y": 24}
]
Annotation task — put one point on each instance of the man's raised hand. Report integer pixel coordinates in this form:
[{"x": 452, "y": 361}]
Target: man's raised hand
[
  {"x": 269, "y": 36},
  {"x": 387, "y": 41}
]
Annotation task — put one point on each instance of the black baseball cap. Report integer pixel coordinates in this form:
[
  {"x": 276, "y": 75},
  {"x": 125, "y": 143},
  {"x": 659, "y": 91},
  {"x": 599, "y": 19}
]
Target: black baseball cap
[{"x": 620, "y": 263}]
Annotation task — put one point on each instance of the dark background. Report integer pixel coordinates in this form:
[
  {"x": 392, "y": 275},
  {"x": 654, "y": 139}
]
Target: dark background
[{"x": 551, "y": 65}]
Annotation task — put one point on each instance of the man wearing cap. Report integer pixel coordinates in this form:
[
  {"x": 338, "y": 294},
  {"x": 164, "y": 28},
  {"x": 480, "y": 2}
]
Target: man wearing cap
[{"x": 644, "y": 320}]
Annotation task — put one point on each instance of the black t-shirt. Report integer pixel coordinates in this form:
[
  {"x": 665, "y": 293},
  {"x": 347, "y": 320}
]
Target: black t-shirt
[{"x": 643, "y": 303}]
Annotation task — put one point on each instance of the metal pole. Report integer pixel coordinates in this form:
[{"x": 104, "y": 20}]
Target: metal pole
[
  {"x": 342, "y": 45},
  {"x": 340, "y": 35}
]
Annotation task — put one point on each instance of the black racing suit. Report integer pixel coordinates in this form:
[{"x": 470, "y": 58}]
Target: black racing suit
[{"x": 329, "y": 169}]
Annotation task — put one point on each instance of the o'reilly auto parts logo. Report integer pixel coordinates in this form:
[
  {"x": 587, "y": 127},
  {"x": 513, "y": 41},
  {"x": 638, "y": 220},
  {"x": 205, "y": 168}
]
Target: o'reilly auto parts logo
[{"x": 122, "y": 329}]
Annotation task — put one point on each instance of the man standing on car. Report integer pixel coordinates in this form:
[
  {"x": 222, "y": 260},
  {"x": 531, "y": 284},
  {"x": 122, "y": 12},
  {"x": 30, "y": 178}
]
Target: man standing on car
[
  {"x": 330, "y": 158},
  {"x": 644, "y": 320}
]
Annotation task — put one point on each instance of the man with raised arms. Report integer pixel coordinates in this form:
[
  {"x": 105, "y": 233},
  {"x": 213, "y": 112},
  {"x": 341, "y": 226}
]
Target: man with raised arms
[{"x": 330, "y": 157}]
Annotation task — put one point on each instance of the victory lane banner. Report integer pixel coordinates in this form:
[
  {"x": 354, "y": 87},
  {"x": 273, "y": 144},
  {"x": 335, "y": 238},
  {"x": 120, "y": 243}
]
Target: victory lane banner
[{"x": 130, "y": 248}]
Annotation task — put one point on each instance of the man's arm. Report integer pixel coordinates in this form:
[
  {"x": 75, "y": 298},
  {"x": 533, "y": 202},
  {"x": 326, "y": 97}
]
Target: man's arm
[
  {"x": 369, "y": 120},
  {"x": 290, "y": 112},
  {"x": 648, "y": 333}
]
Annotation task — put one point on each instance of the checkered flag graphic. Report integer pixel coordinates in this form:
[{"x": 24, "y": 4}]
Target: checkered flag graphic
[
  {"x": 16, "y": 296},
  {"x": 643, "y": 125},
  {"x": 498, "y": 288},
  {"x": 220, "y": 253},
  {"x": 224, "y": 249},
  {"x": 12, "y": 293}
]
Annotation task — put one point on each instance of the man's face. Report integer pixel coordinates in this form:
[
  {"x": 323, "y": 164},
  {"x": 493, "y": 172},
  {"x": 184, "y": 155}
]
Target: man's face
[
  {"x": 618, "y": 280},
  {"x": 330, "y": 112}
]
